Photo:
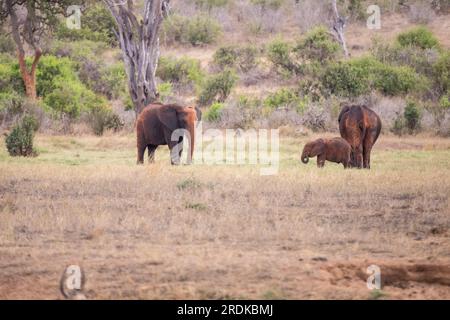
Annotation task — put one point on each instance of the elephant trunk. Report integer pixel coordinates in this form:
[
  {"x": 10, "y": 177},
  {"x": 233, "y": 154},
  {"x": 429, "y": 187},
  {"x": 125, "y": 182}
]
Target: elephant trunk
[
  {"x": 305, "y": 157},
  {"x": 191, "y": 130}
]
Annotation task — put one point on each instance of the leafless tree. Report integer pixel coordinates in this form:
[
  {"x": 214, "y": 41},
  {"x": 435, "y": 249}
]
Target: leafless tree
[
  {"x": 339, "y": 28},
  {"x": 138, "y": 37}
]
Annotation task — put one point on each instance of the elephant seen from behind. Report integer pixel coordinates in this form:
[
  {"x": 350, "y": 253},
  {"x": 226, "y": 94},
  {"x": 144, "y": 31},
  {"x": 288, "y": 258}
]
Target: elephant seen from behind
[{"x": 361, "y": 127}]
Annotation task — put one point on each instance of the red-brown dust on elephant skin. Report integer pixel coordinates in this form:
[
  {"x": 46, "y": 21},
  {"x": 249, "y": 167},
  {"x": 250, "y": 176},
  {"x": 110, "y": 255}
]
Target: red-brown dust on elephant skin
[
  {"x": 360, "y": 126},
  {"x": 335, "y": 150},
  {"x": 157, "y": 122}
]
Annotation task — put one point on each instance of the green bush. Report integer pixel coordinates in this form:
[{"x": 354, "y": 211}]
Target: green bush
[
  {"x": 102, "y": 118},
  {"x": 197, "y": 30},
  {"x": 283, "y": 98},
  {"x": 202, "y": 30},
  {"x": 53, "y": 72},
  {"x": 226, "y": 57},
  {"x": 412, "y": 116},
  {"x": 213, "y": 113},
  {"x": 279, "y": 53},
  {"x": 441, "y": 72},
  {"x": 272, "y": 4},
  {"x": 11, "y": 103},
  {"x": 20, "y": 141},
  {"x": 243, "y": 58},
  {"x": 99, "y": 20},
  {"x": 419, "y": 37},
  {"x": 217, "y": 87},
  {"x": 444, "y": 102},
  {"x": 72, "y": 98},
  {"x": 209, "y": 4},
  {"x": 359, "y": 76},
  {"x": 182, "y": 71},
  {"x": 97, "y": 25},
  {"x": 318, "y": 45}
]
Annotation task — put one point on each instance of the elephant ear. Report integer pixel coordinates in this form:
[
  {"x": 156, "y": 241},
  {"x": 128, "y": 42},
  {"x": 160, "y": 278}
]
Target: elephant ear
[{"x": 168, "y": 117}]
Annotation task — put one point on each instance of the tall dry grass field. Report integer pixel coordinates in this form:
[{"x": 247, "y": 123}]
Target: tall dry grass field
[{"x": 158, "y": 231}]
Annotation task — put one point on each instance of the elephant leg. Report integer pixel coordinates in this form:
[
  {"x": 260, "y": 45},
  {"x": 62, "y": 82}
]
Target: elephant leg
[
  {"x": 368, "y": 143},
  {"x": 320, "y": 161},
  {"x": 151, "y": 153},
  {"x": 140, "y": 155},
  {"x": 358, "y": 156},
  {"x": 175, "y": 147}
]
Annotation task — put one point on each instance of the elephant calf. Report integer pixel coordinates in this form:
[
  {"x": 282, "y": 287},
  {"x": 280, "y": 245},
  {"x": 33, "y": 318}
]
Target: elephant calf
[{"x": 336, "y": 150}]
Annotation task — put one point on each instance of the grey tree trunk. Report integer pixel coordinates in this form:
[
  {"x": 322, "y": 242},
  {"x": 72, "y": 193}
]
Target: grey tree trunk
[
  {"x": 139, "y": 40},
  {"x": 339, "y": 28}
]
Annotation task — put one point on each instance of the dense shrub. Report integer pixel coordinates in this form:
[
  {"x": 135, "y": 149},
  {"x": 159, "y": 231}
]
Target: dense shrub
[
  {"x": 359, "y": 76},
  {"x": 72, "y": 98},
  {"x": 217, "y": 87},
  {"x": 318, "y": 45},
  {"x": 412, "y": 116},
  {"x": 108, "y": 80},
  {"x": 242, "y": 58},
  {"x": 97, "y": 24},
  {"x": 99, "y": 20},
  {"x": 20, "y": 141},
  {"x": 197, "y": 30},
  {"x": 213, "y": 113},
  {"x": 441, "y": 72},
  {"x": 280, "y": 54},
  {"x": 419, "y": 37},
  {"x": 209, "y": 4},
  {"x": 11, "y": 104},
  {"x": 444, "y": 102},
  {"x": 284, "y": 98},
  {"x": 103, "y": 118},
  {"x": 181, "y": 71},
  {"x": 420, "y": 60}
]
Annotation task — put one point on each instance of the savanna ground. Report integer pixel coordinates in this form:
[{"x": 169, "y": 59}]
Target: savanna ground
[{"x": 158, "y": 231}]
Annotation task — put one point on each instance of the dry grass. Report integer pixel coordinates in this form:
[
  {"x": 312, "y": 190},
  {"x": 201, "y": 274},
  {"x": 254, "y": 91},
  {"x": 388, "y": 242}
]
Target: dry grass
[{"x": 224, "y": 231}]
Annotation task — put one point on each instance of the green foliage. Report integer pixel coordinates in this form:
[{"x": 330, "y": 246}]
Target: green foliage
[
  {"x": 318, "y": 45},
  {"x": 202, "y": 30},
  {"x": 11, "y": 103},
  {"x": 197, "y": 30},
  {"x": 279, "y": 53},
  {"x": 209, "y": 4},
  {"x": 243, "y": 58},
  {"x": 226, "y": 57},
  {"x": 97, "y": 24},
  {"x": 53, "y": 72},
  {"x": 412, "y": 116},
  {"x": 165, "y": 91},
  {"x": 99, "y": 20},
  {"x": 184, "y": 71},
  {"x": 72, "y": 98},
  {"x": 359, "y": 76},
  {"x": 441, "y": 72},
  {"x": 20, "y": 141},
  {"x": 217, "y": 87},
  {"x": 283, "y": 98},
  {"x": 213, "y": 113},
  {"x": 419, "y": 37},
  {"x": 272, "y": 4},
  {"x": 102, "y": 118},
  {"x": 444, "y": 102}
]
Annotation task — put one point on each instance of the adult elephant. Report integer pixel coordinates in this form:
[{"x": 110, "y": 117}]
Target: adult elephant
[
  {"x": 155, "y": 126},
  {"x": 360, "y": 126}
]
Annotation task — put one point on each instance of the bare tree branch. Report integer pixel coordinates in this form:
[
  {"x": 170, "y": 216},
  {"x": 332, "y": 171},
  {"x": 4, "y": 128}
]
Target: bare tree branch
[
  {"x": 339, "y": 28},
  {"x": 139, "y": 41}
]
